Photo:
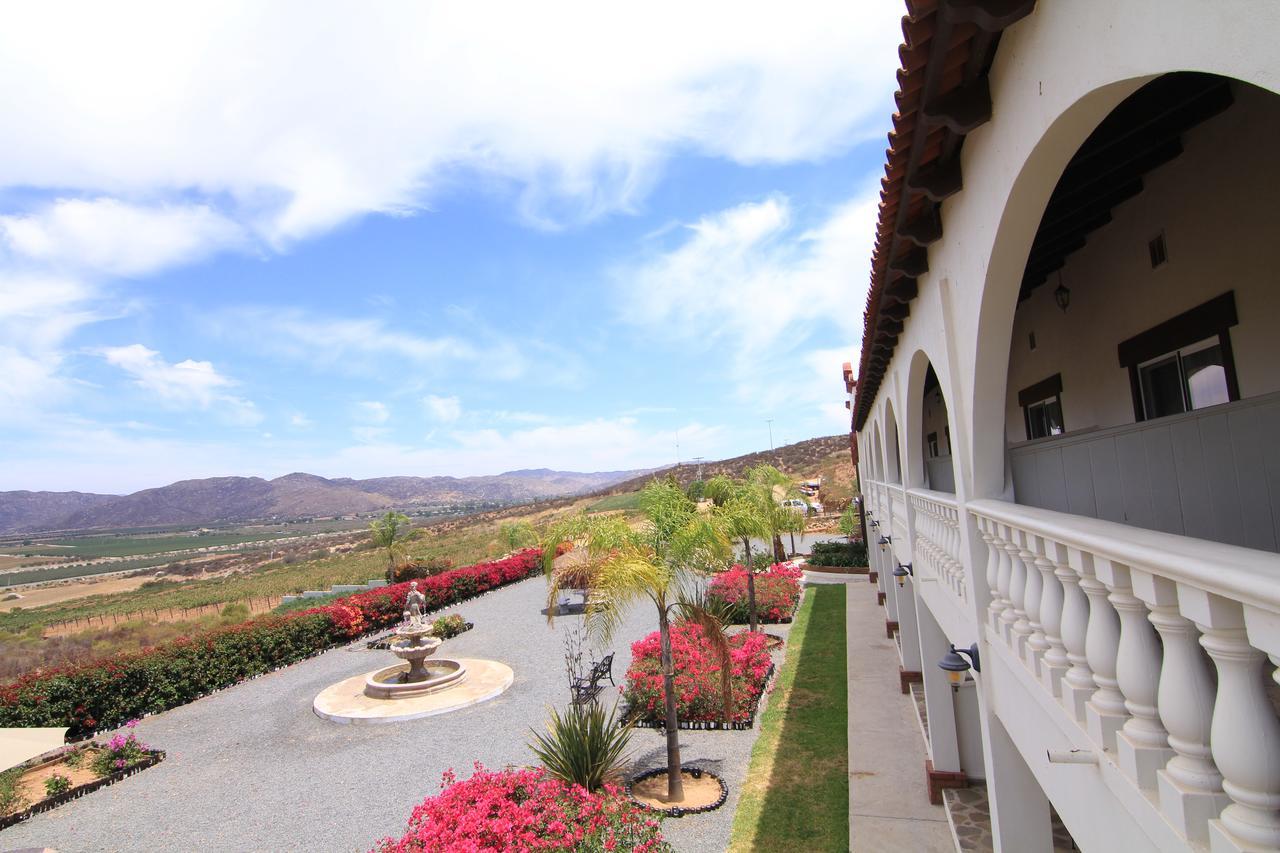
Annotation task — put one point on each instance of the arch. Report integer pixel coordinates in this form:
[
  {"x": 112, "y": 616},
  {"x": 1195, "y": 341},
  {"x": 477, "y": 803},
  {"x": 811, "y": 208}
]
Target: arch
[
  {"x": 1093, "y": 68},
  {"x": 877, "y": 452},
  {"x": 892, "y": 445},
  {"x": 927, "y": 414}
]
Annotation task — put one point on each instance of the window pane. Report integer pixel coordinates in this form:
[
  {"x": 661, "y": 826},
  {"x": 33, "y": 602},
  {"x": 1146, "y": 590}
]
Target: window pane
[
  {"x": 1206, "y": 378},
  {"x": 1053, "y": 417},
  {"x": 1162, "y": 388},
  {"x": 1036, "y": 421}
]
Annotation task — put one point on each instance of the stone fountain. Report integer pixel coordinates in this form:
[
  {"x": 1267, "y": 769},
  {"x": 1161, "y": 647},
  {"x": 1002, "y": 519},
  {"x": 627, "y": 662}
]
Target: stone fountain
[{"x": 414, "y": 644}]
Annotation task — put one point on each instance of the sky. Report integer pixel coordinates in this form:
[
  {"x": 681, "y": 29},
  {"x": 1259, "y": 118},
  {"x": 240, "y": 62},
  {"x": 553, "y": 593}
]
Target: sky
[{"x": 429, "y": 238}]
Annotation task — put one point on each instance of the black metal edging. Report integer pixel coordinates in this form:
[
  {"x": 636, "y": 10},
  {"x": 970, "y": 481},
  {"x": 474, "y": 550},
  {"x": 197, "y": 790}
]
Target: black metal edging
[
  {"x": 680, "y": 811},
  {"x": 152, "y": 758}
]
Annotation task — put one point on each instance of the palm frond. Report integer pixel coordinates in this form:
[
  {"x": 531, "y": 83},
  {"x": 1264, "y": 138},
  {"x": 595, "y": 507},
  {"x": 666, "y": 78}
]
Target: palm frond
[{"x": 713, "y": 630}]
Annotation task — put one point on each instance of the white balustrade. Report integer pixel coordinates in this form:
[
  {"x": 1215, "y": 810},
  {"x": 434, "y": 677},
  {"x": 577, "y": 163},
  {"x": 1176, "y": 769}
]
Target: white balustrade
[
  {"x": 937, "y": 539},
  {"x": 1137, "y": 622}
]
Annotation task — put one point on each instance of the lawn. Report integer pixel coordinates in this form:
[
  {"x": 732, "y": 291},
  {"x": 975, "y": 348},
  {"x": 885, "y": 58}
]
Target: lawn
[{"x": 796, "y": 795}]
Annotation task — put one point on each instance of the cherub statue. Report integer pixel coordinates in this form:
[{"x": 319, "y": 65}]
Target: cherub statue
[{"x": 414, "y": 602}]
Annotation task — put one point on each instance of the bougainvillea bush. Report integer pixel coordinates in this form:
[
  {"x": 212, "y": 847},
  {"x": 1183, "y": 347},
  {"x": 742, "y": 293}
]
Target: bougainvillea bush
[
  {"x": 697, "y": 676},
  {"x": 104, "y": 693},
  {"x": 777, "y": 593},
  {"x": 524, "y": 810}
]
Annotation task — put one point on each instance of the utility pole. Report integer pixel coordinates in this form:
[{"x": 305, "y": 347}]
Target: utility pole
[
  {"x": 699, "y": 459},
  {"x": 769, "y": 421},
  {"x": 677, "y": 453}
]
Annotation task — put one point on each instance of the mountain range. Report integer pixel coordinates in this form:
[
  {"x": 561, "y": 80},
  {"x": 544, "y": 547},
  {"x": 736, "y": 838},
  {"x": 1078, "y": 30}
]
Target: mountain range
[{"x": 218, "y": 500}]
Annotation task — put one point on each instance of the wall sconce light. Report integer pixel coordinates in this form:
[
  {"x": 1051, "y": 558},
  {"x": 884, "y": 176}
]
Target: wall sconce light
[
  {"x": 884, "y": 540},
  {"x": 956, "y": 666},
  {"x": 903, "y": 572},
  {"x": 1062, "y": 294},
  {"x": 875, "y": 523}
]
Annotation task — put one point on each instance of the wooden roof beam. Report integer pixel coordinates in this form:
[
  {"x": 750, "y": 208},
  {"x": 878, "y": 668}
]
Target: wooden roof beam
[
  {"x": 991, "y": 15},
  {"x": 924, "y": 229},
  {"x": 963, "y": 109}
]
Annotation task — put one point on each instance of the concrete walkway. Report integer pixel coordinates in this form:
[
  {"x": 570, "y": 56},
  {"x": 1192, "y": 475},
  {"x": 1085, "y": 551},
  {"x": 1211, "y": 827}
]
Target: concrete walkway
[{"x": 889, "y": 807}]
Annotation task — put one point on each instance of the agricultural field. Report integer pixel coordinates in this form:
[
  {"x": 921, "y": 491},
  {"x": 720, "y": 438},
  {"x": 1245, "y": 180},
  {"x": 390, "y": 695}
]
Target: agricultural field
[
  {"x": 93, "y": 547},
  {"x": 626, "y": 501}
]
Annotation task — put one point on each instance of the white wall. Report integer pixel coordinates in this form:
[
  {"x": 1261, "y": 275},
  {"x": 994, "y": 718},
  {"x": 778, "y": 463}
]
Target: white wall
[{"x": 1221, "y": 234}]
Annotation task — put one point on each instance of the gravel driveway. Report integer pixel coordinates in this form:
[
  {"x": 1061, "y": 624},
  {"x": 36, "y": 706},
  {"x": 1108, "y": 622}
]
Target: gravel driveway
[{"x": 252, "y": 768}]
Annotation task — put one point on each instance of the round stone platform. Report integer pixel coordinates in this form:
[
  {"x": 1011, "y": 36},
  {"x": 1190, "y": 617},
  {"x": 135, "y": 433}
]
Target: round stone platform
[{"x": 345, "y": 702}]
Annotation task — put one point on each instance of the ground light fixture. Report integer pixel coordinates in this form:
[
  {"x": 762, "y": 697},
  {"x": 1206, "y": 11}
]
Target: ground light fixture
[
  {"x": 902, "y": 573},
  {"x": 955, "y": 665}
]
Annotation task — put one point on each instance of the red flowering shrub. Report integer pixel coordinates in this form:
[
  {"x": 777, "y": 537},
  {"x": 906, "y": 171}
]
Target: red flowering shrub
[
  {"x": 522, "y": 810},
  {"x": 697, "y": 678},
  {"x": 105, "y": 692},
  {"x": 777, "y": 592}
]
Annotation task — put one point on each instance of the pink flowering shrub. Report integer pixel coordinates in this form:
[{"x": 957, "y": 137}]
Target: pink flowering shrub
[
  {"x": 697, "y": 675},
  {"x": 120, "y": 752},
  {"x": 525, "y": 810},
  {"x": 777, "y": 592}
]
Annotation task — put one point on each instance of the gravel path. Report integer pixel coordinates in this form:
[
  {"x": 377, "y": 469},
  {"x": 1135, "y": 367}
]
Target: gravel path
[{"x": 252, "y": 768}]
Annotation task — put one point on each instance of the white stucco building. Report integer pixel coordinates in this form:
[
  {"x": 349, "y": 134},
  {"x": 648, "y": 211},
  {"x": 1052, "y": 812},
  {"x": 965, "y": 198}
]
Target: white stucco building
[{"x": 1067, "y": 413}]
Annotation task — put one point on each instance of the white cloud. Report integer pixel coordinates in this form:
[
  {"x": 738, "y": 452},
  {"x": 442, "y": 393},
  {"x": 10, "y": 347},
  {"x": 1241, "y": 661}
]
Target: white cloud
[
  {"x": 300, "y": 421},
  {"x": 186, "y": 384},
  {"x": 110, "y": 237},
  {"x": 302, "y": 116},
  {"x": 445, "y": 409},
  {"x": 372, "y": 412}
]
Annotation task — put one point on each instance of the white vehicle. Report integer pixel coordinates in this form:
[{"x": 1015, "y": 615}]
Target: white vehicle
[{"x": 800, "y": 506}]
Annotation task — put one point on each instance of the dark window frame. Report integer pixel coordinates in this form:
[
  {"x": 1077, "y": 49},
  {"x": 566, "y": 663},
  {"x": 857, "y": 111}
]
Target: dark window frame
[
  {"x": 1207, "y": 320},
  {"x": 1033, "y": 395}
]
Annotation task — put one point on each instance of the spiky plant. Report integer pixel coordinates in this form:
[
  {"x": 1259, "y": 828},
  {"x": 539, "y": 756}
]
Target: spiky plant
[
  {"x": 660, "y": 560},
  {"x": 583, "y": 746}
]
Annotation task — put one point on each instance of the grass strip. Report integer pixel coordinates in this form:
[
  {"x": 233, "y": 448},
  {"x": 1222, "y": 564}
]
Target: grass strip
[{"x": 796, "y": 794}]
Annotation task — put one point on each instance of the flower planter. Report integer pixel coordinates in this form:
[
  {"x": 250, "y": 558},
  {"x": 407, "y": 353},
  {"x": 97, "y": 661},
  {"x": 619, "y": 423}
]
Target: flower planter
[
  {"x": 691, "y": 776},
  {"x": 152, "y": 758}
]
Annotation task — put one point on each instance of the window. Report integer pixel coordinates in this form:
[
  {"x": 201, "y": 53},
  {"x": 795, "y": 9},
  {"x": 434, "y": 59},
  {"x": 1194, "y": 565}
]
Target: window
[
  {"x": 1192, "y": 377},
  {"x": 1042, "y": 408},
  {"x": 1185, "y": 363},
  {"x": 932, "y": 440}
]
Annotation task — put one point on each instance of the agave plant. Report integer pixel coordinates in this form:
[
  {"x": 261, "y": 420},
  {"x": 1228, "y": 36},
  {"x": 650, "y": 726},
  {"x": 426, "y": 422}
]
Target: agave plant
[{"x": 584, "y": 746}]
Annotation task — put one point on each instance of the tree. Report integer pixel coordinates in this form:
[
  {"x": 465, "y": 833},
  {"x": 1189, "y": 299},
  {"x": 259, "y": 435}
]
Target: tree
[
  {"x": 849, "y": 523},
  {"x": 390, "y": 532},
  {"x": 777, "y": 487},
  {"x": 658, "y": 560},
  {"x": 745, "y": 516},
  {"x": 792, "y": 523},
  {"x": 517, "y": 534}
]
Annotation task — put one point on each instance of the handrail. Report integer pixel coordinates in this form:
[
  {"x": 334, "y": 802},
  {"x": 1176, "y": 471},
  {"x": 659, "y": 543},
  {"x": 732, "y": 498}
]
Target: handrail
[
  {"x": 1242, "y": 574},
  {"x": 945, "y": 498}
]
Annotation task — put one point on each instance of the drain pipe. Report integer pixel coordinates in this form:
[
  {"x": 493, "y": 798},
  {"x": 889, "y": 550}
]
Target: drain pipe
[{"x": 1071, "y": 756}]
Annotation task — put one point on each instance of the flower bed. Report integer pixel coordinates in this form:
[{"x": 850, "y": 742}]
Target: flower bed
[
  {"x": 50, "y": 780},
  {"x": 103, "y": 693},
  {"x": 697, "y": 679},
  {"x": 777, "y": 593},
  {"x": 525, "y": 810}
]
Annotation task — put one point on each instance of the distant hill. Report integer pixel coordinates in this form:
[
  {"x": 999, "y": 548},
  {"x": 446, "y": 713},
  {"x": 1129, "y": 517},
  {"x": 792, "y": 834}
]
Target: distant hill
[
  {"x": 217, "y": 500},
  {"x": 802, "y": 459}
]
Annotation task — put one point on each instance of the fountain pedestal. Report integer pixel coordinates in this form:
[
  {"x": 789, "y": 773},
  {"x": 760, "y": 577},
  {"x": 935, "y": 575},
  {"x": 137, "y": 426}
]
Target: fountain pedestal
[{"x": 414, "y": 645}]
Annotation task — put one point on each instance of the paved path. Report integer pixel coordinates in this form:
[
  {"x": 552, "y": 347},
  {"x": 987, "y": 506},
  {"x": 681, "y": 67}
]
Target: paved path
[
  {"x": 889, "y": 806},
  {"x": 252, "y": 768}
]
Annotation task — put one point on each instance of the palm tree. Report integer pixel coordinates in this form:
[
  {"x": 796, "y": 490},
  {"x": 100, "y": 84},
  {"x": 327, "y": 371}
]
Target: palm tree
[
  {"x": 745, "y": 516},
  {"x": 660, "y": 560},
  {"x": 389, "y": 532},
  {"x": 777, "y": 487}
]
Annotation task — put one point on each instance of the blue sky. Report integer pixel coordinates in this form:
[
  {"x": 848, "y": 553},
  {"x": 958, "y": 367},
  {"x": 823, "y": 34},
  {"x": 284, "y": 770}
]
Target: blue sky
[{"x": 429, "y": 238}]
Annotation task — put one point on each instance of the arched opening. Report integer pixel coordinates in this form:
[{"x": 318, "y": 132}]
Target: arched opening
[
  {"x": 935, "y": 435},
  {"x": 877, "y": 454},
  {"x": 892, "y": 448},
  {"x": 1140, "y": 383}
]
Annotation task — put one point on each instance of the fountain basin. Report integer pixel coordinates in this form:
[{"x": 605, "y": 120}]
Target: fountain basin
[
  {"x": 346, "y": 702},
  {"x": 402, "y": 681}
]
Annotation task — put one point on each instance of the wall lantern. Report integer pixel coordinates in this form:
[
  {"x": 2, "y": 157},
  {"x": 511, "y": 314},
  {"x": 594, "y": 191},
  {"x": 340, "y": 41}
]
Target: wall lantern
[
  {"x": 1062, "y": 294},
  {"x": 903, "y": 572},
  {"x": 884, "y": 540},
  {"x": 956, "y": 666},
  {"x": 875, "y": 523}
]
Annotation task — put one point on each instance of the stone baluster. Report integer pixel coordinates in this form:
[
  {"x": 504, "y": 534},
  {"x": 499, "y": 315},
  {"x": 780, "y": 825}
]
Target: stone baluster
[
  {"x": 1078, "y": 684},
  {"x": 1142, "y": 746},
  {"x": 1054, "y": 663},
  {"x": 1004, "y": 582},
  {"x": 953, "y": 514},
  {"x": 986, "y": 529},
  {"x": 1013, "y": 614},
  {"x": 1245, "y": 739},
  {"x": 1105, "y": 711},
  {"x": 1190, "y": 785},
  {"x": 1035, "y": 642}
]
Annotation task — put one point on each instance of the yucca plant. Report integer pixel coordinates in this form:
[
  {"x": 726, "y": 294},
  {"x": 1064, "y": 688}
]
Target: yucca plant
[{"x": 584, "y": 746}]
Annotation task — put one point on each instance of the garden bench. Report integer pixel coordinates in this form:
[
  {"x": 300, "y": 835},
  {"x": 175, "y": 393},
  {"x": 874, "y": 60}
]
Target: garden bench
[{"x": 586, "y": 687}]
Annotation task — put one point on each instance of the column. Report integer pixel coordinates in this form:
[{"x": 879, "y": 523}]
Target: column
[{"x": 1020, "y": 820}]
